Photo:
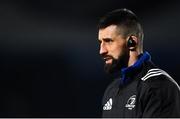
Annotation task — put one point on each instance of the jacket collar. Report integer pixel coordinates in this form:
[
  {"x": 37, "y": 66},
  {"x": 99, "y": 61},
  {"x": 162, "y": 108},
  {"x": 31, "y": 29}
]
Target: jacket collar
[{"x": 128, "y": 72}]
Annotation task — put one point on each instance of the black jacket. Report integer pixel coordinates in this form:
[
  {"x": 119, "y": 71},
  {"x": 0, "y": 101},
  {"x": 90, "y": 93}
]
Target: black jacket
[{"x": 143, "y": 90}]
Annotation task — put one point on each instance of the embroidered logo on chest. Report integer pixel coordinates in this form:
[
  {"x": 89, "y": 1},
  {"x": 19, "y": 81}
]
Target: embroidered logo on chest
[{"x": 131, "y": 102}]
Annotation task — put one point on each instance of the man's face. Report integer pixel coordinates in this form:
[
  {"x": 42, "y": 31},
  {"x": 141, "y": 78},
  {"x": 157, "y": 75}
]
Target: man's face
[{"x": 113, "y": 48}]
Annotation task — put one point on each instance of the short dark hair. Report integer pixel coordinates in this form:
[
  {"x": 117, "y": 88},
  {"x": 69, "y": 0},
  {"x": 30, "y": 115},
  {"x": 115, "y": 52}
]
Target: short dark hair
[{"x": 126, "y": 21}]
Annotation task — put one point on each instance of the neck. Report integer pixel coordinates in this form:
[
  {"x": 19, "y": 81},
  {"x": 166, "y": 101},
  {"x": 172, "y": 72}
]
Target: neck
[{"x": 133, "y": 57}]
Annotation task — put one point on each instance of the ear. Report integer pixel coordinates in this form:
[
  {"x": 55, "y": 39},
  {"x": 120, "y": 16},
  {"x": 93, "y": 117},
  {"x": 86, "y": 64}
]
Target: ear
[
  {"x": 132, "y": 43},
  {"x": 135, "y": 39}
]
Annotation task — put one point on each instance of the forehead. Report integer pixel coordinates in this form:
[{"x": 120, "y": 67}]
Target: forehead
[{"x": 108, "y": 32}]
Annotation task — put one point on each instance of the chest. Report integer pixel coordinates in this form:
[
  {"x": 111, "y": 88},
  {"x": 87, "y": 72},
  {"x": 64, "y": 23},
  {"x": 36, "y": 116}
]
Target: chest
[{"x": 121, "y": 101}]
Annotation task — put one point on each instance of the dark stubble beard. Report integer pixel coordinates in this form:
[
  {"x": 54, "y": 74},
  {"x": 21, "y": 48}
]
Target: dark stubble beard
[{"x": 117, "y": 64}]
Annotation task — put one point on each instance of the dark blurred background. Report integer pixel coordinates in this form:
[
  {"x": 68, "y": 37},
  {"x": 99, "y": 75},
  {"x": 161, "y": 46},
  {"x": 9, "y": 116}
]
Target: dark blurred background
[{"x": 49, "y": 61}]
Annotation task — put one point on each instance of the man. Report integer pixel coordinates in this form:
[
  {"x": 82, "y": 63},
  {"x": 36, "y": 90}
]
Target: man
[{"x": 141, "y": 89}]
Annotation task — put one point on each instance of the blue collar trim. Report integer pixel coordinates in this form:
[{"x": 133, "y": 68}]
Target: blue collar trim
[{"x": 124, "y": 71}]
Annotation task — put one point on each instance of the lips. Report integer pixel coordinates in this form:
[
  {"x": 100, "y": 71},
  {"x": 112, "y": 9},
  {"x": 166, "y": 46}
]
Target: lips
[{"x": 107, "y": 59}]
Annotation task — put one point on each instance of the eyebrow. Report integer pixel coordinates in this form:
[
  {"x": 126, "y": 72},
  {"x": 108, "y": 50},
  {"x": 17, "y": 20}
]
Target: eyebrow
[
  {"x": 104, "y": 39},
  {"x": 107, "y": 38}
]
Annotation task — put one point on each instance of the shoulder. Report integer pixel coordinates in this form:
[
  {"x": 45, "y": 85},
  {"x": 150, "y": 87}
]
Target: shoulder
[
  {"x": 157, "y": 80},
  {"x": 159, "y": 94}
]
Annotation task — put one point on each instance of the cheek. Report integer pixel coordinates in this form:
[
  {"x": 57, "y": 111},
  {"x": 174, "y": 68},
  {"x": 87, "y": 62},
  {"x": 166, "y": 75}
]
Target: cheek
[{"x": 118, "y": 51}]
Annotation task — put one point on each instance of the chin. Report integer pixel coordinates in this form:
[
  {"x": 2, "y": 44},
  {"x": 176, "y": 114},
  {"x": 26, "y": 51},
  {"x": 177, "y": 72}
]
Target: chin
[
  {"x": 115, "y": 66},
  {"x": 110, "y": 68}
]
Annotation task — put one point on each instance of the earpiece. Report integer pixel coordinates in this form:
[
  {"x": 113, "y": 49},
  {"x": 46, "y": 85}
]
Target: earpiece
[{"x": 131, "y": 42}]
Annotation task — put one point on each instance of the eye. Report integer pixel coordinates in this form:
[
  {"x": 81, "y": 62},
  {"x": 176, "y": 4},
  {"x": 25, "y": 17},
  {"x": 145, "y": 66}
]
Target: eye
[{"x": 108, "y": 40}]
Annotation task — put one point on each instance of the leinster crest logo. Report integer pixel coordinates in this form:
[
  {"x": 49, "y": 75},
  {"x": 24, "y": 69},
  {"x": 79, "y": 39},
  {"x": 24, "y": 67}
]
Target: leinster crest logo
[{"x": 131, "y": 102}]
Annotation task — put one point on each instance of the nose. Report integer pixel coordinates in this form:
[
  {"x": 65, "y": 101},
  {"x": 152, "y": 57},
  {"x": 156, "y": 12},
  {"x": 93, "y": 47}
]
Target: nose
[{"x": 103, "y": 50}]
